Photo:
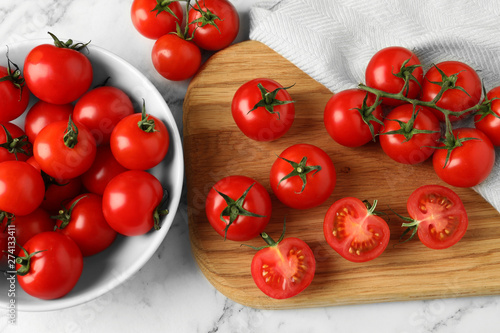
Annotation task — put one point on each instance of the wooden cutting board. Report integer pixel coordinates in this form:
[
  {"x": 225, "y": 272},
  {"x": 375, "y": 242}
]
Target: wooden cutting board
[{"x": 214, "y": 148}]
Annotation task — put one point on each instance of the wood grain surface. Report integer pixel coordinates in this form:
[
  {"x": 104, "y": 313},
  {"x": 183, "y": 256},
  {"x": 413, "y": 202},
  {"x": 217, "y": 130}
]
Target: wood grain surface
[{"x": 214, "y": 148}]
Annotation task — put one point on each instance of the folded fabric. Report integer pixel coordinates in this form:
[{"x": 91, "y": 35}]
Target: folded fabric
[{"x": 333, "y": 40}]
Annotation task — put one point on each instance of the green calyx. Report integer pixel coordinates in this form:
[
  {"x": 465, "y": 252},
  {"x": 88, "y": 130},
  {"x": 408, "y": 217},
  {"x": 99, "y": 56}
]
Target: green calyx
[
  {"x": 163, "y": 6},
  {"x": 160, "y": 211},
  {"x": 65, "y": 214},
  {"x": 147, "y": 123},
  {"x": 485, "y": 107},
  {"x": 234, "y": 208},
  {"x": 301, "y": 170},
  {"x": 450, "y": 142},
  {"x": 366, "y": 113},
  {"x": 71, "y": 134},
  {"x": 15, "y": 145},
  {"x": 406, "y": 73},
  {"x": 269, "y": 100},
  {"x": 407, "y": 129},
  {"x": 206, "y": 18},
  {"x": 14, "y": 76},
  {"x": 269, "y": 241},
  {"x": 68, "y": 44},
  {"x": 25, "y": 261}
]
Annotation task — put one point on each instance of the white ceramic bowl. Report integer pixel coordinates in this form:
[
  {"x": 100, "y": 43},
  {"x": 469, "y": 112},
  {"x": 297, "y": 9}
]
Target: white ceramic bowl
[{"x": 108, "y": 269}]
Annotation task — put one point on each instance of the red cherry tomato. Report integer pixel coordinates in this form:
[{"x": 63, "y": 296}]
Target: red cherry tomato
[
  {"x": 14, "y": 94},
  {"x": 387, "y": 70},
  {"x": 439, "y": 214},
  {"x": 14, "y": 144},
  {"x": 489, "y": 122},
  {"x": 21, "y": 188},
  {"x": 303, "y": 176},
  {"x": 207, "y": 13},
  {"x": 455, "y": 99},
  {"x": 409, "y": 144},
  {"x": 30, "y": 225},
  {"x": 57, "y": 75},
  {"x": 468, "y": 164},
  {"x": 64, "y": 150},
  {"x": 175, "y": 58},
  {"x": 238, "y": 208},
  {"x": 100, "y": 109},
  {"x": 130, "y": 201},
  {"x": 344, "y": 122},
  {"x": 41, "y": 114},
  {"x": 153, "y": 20},
  {"x": 83, "y": 221},
  {"x": 354, "y": 232},
  {"x": 260, "y": 112},
  {"x": 139, "y": 142},
  {"x": 283, "y": 269},
  {"x": 104, "y": 168},
  {"x": 51, "y": 267}
]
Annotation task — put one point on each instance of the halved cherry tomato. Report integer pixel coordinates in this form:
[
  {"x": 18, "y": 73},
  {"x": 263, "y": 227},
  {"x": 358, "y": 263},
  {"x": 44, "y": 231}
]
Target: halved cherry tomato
[
  {"x": 354, "y": 232},
  {"x": 284, "y": 268},
  {"x": 439, "y": 216}
]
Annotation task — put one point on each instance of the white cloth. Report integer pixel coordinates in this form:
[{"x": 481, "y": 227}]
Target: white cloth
[{"x": 333, "y": 40}]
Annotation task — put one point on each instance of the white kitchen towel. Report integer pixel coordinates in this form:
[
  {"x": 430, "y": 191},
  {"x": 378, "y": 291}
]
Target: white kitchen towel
[{"x": 333, "y": 40}]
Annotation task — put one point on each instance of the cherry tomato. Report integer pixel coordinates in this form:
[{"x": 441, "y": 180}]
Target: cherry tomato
[
  {"x": 439, "y": 216},
  {"x": 14, "y": 94},
  {"x": 238, "y": 208},
  {"x": 463, "y": 77},
  {"x": 387, "y": 70},
  {"x": 409, "y": 136},
  {"x": 104, "y": 168},
  {"x": 343, "y": 119},
  {"x": 100, "y": 109},
  {"x": 175, "y": 58},
  {"x": 83, "y": 221},
  {"x": 468, "y": 164},
  {"x": 130, "y": 202},
  {"x": 64, "y": 149},
  {"x": 41, "y": 114},
  {"x": 14, "y": 144},
  {"x": 50, "y": 267},
  {"x": 21, "y": 188},
  {"x": 263, "y": 109},
  {"x": 284, "y": 268},
  {"x": 354, "y": 232},
  {"x": 139, "y": 141},
  {"x": 57, "y": 74},
  {"x": 489, "y": 122},
  {"x": 303, "y": 176},
  {"x": 152, "y": 19},
  {"x": 216, "y": 22}
]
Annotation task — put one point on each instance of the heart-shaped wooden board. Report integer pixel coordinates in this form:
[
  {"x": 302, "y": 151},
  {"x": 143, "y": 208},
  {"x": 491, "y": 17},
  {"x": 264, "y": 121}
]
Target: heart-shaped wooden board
[{"x": 214, "y": 148}]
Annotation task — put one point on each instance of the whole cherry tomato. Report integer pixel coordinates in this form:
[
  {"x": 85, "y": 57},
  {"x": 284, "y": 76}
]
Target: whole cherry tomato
[
  {"x": 464, "y": 92},
  {"x": 488, "y": 121},
  {"x": 100, "y": 109},
  {"x": 238, "y": 208},
  {"x": 175, "y": 58},
  {"x": 41, "y": 114},
  {"x": 354, "y": 232},
  {"x": 64, "y": 149},
  {"x": 388, "y": 69},
  {"x": 155, "y": 18},
  {"x": 215, "y": 24},
  {"x": 14, "y": 144},
  {"x": 409, "y": 135},
  {"x": 469, "y": 163},
  {"x": 49, "y": 266},
  {"x": 263, "y": 109},
  {"x": 58, "y": 73},
  {"x": 303, "y": 176},
  {"x": 14, "y": 94},
  {"x": 131, "y": 202},
  {"x": 139, "y": 141},
  {"x": 350, "y": 118},
  {"x": 83, "y": 221}
]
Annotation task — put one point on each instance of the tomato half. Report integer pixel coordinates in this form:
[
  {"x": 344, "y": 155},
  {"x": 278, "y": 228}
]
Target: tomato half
[
  {"x": 238, "y": 208},
  {"x": 344, "y": 120},
  {"x": 465, "y": 92},
  {"x": 284, "y": 269},
  {"x": 354, "y": 232},
  {"x": 152, "y": 19},
  {"x": 387, "y": 70},
  {"x": 303, "y": 176},
  {"x": 439, "y": 215},
  {"x": 263, "y": 109},
  {"x": 489, "y": 122},
  {"x": 468, "y": 164}
]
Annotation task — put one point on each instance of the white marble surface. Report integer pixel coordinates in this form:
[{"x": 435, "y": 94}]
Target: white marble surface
[{"x": 170, "y": 294}]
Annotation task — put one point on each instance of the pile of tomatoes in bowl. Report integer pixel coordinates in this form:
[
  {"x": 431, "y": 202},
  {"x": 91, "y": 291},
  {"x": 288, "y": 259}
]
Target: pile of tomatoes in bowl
[{"x": 91, "y": 171}]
